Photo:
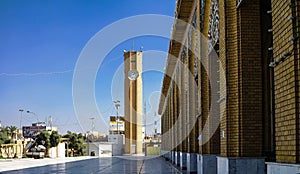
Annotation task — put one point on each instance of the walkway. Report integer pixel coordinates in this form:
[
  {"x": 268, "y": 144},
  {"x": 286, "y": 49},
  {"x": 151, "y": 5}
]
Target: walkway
[{"x": 103, "y": 165}]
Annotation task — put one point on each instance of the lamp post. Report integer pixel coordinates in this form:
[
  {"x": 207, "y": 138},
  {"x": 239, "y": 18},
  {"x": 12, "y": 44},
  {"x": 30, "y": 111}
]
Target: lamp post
[
  {"x": 93, "y": 125},
  {"x": 21, "y": 110},
  {"x": 37, "y": 117},
  {"x": 117, "y": 105},
  {"x": 93, "y": 128},
  {"x": 21, "y": 132}
]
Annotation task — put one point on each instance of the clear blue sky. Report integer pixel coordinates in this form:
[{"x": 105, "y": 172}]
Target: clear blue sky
[{"x": 40, "y": 42}]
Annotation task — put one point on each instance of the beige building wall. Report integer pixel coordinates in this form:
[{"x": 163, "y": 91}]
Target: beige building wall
[{"x": 133, "y": 102}]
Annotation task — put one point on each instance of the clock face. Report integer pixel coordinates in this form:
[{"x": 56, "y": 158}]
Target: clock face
[{"x": 133, "y": 74}]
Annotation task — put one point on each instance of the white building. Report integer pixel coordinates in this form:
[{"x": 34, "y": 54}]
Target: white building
[
  {"x": 99, "y": 149},
  {"x": 118, "y": 142}
]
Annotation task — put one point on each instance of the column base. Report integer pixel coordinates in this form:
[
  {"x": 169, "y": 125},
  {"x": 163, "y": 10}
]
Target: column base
[
  {"x": 177, "y": 158},
  {"x": 277, "y": 168},
  {"x": 168, "y": 156},
  {"x": 191, "y": 161},
  {"x": 165, "y": 154},
  {"x": 241, "y": 165},
  {"x": 183, "y": 165},
  {"x": 206, "y": 164},
  {"x": 173, "y": 157}
]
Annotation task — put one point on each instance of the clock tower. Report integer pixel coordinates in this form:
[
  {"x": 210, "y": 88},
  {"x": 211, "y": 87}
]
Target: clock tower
[{"x": 133, "y": 97}]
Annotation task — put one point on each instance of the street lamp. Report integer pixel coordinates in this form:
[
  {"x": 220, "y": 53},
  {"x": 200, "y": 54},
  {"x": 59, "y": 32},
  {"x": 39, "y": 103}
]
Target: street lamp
[
  {"x": 37, "y": 117},
  {"x": 93, "y": 128},
  {"x": 21, "y": 110},
  {"x": 117, "y": 105},
  {"x": 93, "y": 125},
  {"x": 21, "y": 131}
]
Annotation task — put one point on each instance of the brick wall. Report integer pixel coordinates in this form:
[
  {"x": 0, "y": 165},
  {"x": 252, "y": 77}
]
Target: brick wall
[
  {"x": 240, "y": 55},
  {"x": 250, "y": 79},
  {"x": 246, "y": 102},
  {"x": 286, "y": 81},
  {"x": 228, "y": 57}
]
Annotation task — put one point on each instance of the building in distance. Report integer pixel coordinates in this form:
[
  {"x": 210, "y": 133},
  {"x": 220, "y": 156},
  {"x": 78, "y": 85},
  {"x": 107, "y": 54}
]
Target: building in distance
[{"x": 116, "y": 125}]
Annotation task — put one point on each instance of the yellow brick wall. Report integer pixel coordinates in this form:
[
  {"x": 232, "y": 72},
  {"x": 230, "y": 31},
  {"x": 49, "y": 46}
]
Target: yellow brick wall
[
  {"x": 246, "y": 114},
  {"x": 229, "y": 57},
  {"x": 240, "y": 55},
  {"x": 286, "y": 81}
]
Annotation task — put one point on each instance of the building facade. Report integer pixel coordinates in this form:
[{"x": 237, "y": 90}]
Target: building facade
[
  {"x": 230, "y": 95},
  {"x": 116, "y": 125}
]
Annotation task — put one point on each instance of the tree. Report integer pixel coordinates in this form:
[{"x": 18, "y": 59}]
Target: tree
[
  {"x": 43, "y": 138},
  {"x": 4, "y": 138},
  {"x": 12, "y": 130},
  {"x": 76, "y": 143},
  {"x": 5, "y": 134},
  {"x": 54, "y": 139}
]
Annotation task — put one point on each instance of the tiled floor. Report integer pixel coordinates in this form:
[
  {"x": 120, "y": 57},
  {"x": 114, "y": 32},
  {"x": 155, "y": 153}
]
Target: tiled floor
[{"x": 106, "y": 165}]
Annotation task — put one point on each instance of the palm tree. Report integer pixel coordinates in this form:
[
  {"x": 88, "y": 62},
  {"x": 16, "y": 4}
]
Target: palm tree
[
  {"x": 5, "y": 136},
  {"x": 12, "y": 130}
]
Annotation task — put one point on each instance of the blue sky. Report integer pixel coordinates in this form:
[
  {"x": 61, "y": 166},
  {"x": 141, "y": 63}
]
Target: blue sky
[{"x": 40, "y": 44}]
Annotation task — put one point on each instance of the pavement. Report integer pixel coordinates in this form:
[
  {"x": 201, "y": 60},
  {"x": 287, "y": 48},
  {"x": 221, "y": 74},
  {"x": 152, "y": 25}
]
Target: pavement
[
  {"x": 90, "y": 165},
  {"x": 16, "y": 164}
]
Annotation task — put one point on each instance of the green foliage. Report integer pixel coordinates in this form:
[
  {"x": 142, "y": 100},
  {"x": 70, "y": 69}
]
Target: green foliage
[
  {"x": 43, "y": 138},
  {"x": 54, "y": 139},
  {"x": 12, "y": 130},
  {"x": 6, "y": 134},
  {"x": 76, "y": 143},
  {"x": 152, "y": 151},
  {"x": 48, "y": 140}
]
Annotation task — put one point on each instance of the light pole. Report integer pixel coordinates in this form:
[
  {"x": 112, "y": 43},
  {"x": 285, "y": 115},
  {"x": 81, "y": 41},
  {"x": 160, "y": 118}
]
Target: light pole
[
  {"x": 93, "y": 125},
  {"x": 21, "y": 110},
  {"x": 37, "y": 117},
  {"x": 21, "y": 132},
  {"x": 93, "y": 128},
  {"x": 117, "y": 105}
]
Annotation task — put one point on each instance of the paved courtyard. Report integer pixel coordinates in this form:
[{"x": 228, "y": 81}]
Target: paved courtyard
[{"x": 97, "y": 165}]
